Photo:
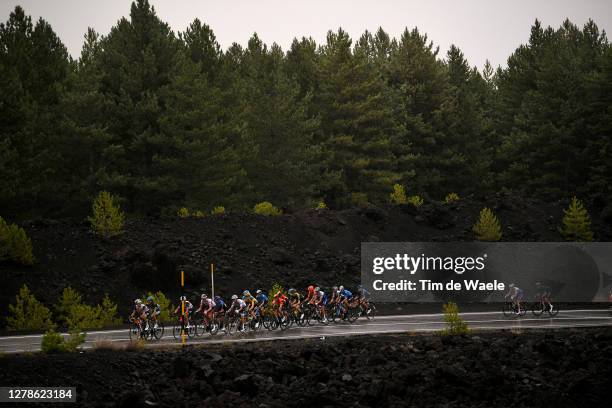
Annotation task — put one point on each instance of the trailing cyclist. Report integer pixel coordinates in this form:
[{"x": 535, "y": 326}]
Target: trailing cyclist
[
  {"x": 543, "y": 293},
  {"x": 516, "y": 297},
  {"x": 362, "y": 297}
]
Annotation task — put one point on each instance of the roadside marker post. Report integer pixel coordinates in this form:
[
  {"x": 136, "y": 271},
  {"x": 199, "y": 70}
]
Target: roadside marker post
[
  {"x": 212, "y": 280},
  {"x": 183, "y": 307}
]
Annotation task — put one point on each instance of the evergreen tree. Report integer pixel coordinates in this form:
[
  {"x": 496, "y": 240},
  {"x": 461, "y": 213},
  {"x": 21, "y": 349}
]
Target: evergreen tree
[{"x": 576, "y": 223}]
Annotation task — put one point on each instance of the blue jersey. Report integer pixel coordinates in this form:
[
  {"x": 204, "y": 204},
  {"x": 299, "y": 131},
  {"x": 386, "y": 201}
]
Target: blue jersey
[
  {"x": 345, "y": 293},
  {"x": 219, "y": 304},
  {"x": 262, "y": 298}
]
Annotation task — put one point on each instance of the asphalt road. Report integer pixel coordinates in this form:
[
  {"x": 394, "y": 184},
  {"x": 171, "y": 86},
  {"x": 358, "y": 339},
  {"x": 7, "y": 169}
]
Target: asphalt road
[{"x": 380, "y": 325}]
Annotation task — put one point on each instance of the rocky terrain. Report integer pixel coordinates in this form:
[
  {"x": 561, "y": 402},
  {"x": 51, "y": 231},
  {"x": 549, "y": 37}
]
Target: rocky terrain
[
  {"x": 252, "y": 251},
  {"x": 569, "y": 368}
]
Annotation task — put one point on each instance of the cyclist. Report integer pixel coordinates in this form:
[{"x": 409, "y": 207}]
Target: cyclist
[
  {"x": 188, "y": 309},
  {"x": 279, "y": 302},
  {"x": 139, "y": 314},
  {"x": 153, "y": 310},
  {"x": 238, "y": 307},
  {"x": 362, "y": 296},
  {"x": 516, "y": 296},
  {"x": 320, "y": 300},
  {"x": 207, "y": 307},
  {"x": 295, "y": 299},
  {"x": 262, "y": 299},
  {"x": 335, "y": 295},
  {"x": 220, "y": 305},
  {"x": 544, "y": 293},
  {"x": 250, "y": 301},
  {"x": 310, "y": 294},
  {"x": 345, "y": 297}
]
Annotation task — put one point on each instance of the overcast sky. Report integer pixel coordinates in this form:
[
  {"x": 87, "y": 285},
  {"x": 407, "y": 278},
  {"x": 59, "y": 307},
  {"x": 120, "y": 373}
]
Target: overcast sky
[{"x": 483, "y": 29}]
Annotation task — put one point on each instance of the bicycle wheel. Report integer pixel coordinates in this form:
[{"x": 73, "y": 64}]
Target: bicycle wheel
[
  {"x": 134, "y": 331},
  {"x": 284, "y": 321},
  {"x": 157, "y": 331},
  {"x": 191, "y": 330},
  {"x": 176, "y": 331},
  {"x": 370, "y": 311},
  {"x": 508, "y": 309},
  {"x": 231, "y": 325},
  {"x": 213, "y": 327},
  {"x": 554, "y": 312},
  {"x": 538, "y": 309},
  {"x": 353, "y": 314}
]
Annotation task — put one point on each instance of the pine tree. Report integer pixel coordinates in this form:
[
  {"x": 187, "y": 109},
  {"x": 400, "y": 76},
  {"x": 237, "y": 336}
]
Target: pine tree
[
  {"x": 28, "y": 313},
  {"x": 107, "y": 219},
  {"x": 487, "y": 228},
  {"x": 576, "y": 223}
]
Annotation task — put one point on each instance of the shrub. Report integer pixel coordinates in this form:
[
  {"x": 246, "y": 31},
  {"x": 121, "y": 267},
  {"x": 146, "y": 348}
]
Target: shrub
[
  {"x": 183, "y": 212},
  {"x": 108, "y": 313},
  {"x": 53, "y": 342},
  {"x": 164, "y": 304},
  {"x": 398, "y": 196},
  {"x": 83, "y": 316},
  {"x": 67, "y": 301},
  {"x": 487, "y": 228},
  {"x": 199, "y": 214},
  {"x": 454, "y": 323},
  {"x": 451, "y": 197},
  {"x": 359, "y": 199},
  {"x": 576, "y": 223},
  {"x": 218, "y": 210},
  {"x": 15, "y": 244},
  {"x": 28, "y": 313},
  {"x": 73, "y": 313},
  {"x": 266, "y": 208},
  {"x": 107, "y": 219},
  {"x": 321, "y": 205},
  {"x": 415, "y": 200}
]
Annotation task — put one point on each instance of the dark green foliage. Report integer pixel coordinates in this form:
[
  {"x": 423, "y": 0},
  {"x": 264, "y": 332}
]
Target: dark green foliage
[{"x": 167, "y": 120}]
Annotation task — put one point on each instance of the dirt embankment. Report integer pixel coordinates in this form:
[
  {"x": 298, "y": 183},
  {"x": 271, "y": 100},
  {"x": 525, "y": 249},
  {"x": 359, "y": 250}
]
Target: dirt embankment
[
  {"x": 251, "y": 251},
  {"x": 568, "y": 368}
]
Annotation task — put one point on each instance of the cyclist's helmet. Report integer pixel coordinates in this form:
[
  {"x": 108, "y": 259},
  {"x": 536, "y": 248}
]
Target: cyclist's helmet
[
  {"x": 359, "y": 287},
  {"x": 317, "y": 289},
  {"x": 341, "y": 288},
  {"x": 335, "y": 288},
  {"x": 234, "y": 297},
  {"x": 511, "y": 285},
  {"x": 278, "y": 294},
  {"x": 183, "y": 298},
  {"x": 246, "y": 293},
  {"x": 138, "y": 302},
  {"x": 311, "y": 288},
  {"x": 291, "y": 290},
  {"x": 150, "y": 299},
  {"x": 203, "y": 296},
  {"x": 258, "y": 291}
]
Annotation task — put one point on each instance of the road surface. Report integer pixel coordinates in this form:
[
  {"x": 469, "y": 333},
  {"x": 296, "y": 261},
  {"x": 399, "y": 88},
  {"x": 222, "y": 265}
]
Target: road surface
[{"x": 380, "y": 325}]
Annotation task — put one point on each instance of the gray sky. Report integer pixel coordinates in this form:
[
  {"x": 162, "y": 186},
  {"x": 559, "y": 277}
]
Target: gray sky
[{"x": 483, "y": 29}]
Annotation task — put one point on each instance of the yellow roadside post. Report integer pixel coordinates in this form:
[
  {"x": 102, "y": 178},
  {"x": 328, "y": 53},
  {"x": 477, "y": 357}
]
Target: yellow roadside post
[
  {"x": 183, "y": 306},
  {"x": 212, "y": 280}
]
